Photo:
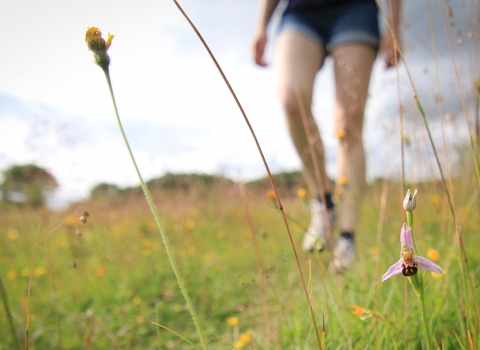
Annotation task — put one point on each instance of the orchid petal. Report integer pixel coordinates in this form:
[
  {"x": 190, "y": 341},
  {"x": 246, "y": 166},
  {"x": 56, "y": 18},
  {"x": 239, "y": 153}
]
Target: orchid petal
[
  {"x": 393, "y": 270},
  {"x": 406, "y": 237},
  {"x": 426, "y": 264}
]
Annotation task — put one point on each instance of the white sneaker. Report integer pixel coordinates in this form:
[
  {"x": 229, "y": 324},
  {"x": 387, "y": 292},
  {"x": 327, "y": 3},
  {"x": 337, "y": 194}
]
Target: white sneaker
[
  {"x": 344, "y": 254},
  {"x": 316, "y": 236}
]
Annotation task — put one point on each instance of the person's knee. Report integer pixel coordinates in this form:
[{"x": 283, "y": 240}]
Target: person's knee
[{"x": 289, "y": 101}]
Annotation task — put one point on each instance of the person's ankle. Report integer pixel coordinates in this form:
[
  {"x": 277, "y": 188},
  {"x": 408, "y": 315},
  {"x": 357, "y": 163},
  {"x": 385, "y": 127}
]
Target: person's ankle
[
  {"x": 347, "y": 235},
  {"x": 328, "y": 200}
]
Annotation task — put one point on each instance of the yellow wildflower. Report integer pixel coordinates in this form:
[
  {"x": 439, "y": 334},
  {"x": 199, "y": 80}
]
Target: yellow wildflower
[
  {"x": 12, "y": 274},
  {"x": 232, "y": 321},
  {"x": 342, "y": 180},
  {"x": 95, "y": 42},
  {"x": 433, "y": 254},
  {"x": 98, "y": 46},
  {"x": 271, "y": 195},
  {"x": 245, "y": 337},
  {"x": 302, "y": 193},
  {"x": 239, "y": 344},
  {"x": 361, "y": 313},
  {"x": 137, "y": 301},
  {"x": 39, "y": 271},
  {"x": 12, "y": 235},
  {"x": 341, "y": 134},
  {"x": 190, "y": 224}
]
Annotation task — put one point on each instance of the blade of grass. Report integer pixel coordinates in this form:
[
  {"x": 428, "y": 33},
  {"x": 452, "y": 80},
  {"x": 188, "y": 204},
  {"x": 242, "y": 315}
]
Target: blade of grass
[
  {"x": 166, "y": 328},
  {"x": 13, "y": 333}
]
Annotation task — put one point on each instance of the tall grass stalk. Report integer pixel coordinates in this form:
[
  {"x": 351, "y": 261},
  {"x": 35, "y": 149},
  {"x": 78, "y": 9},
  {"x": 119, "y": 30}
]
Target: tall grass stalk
[
  {"x": 272, "y": 182},
  {"x": 13, "y": 333},
  {"x": 156, "y": 215}
]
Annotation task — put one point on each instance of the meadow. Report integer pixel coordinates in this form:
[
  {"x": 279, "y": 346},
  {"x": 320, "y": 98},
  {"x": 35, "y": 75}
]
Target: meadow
[
  {"x": 97, "y": 276},
  {"x": 94, "y": 285}
]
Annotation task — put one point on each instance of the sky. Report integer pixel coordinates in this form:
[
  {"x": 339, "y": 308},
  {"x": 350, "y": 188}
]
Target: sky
[{"x": 56, "y": 112}]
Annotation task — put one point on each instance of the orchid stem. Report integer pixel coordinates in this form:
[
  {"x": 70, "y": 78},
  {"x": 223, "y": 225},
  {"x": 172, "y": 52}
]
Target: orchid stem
[
  {"x": 157, "y": 218},
  {"x": 426, "y": 332}
]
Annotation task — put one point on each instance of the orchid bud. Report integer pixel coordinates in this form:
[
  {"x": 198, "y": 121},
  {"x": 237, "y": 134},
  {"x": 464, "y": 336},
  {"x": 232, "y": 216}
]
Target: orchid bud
[{"x": 409, "y": 203}]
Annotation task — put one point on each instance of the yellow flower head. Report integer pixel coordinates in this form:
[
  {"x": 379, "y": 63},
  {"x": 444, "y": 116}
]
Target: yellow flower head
[
  {"x": 341, "y": 134},
  {"x": 98, "y": 46},
  {"x": 433, "y": 254},
  {"x": 357, "y": 310},
  {"x": 95, "y": 42},
  {"x": 12, "y": 235},
  {"x": 271, "y": 195},
  {"x": 232, "y": 321},
  {"x": 342, "y": 180},
  {"x": 239, "y": 344},
  {"x": 302, "y": 193},
  {"x": 245, "y": 337}
]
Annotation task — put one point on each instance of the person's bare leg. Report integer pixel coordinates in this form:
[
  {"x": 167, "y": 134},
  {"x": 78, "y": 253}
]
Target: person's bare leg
[
  {"x": 353, "y": 65},
  {"x": 298, "y": 60}
]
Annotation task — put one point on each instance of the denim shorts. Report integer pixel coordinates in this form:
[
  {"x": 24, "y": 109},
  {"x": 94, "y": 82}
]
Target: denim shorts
[{"x": 336, "y": 25}]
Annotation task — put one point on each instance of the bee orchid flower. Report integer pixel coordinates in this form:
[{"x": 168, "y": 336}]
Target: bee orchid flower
[{"x": 409, "y": 263}]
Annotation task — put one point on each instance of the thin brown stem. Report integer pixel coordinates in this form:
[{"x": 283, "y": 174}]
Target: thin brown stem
[{"x": 272, "y": 182}]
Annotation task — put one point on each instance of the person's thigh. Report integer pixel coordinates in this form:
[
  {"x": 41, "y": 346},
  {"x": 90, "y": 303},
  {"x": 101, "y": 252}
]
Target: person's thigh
[
  {"x": 353, "y": 65},
  {"x": 298, "y": 59}
]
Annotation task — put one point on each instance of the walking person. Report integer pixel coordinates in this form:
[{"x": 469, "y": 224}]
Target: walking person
[{"x": 309, "y": 31}]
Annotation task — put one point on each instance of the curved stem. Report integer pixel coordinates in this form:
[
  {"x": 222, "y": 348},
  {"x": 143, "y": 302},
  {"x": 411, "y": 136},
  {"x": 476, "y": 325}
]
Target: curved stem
[{"x": 157, "y": 218}]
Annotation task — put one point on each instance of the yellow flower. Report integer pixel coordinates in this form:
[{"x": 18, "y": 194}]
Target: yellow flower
[
  {"x": 245, "y": 337},
  {"x": 190, "y": 224},
  {"x": 25, "y": 272},
  {"x": 436, "y": 200},
  {"x": 39, "y": 271},
  {"x": 12, "y": 274},
  {"x": 271, "y": 195},
  {"x": 341, "y": 134},
  {"x": 98, "y": 46},
  {"x": 232, "y": 321},
  {"x": 302, "y": 193},
  {"x": 137, "y": 301},
  {"x": 239, "y": 344},
  {"x": 361, "y": 313},
  {"x": 12, "y": 235},
  {"x": 342, "y": 180},
  {"x": 433, "y": 254},
  {"x": 95, "y": 42},
  {"x": 357, "y": 310}
]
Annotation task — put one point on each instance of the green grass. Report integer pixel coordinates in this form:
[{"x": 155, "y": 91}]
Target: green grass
[{"x": 122, "y": 272}]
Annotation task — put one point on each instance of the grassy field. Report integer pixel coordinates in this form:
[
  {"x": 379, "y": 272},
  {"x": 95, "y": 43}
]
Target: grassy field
[{"x": 90, "y": 290}]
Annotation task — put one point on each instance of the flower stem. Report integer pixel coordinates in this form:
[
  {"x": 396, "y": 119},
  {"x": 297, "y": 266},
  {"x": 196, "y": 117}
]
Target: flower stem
[
  {"x": 426, "y": 332},
  {"x": 157, "y": 218}
]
